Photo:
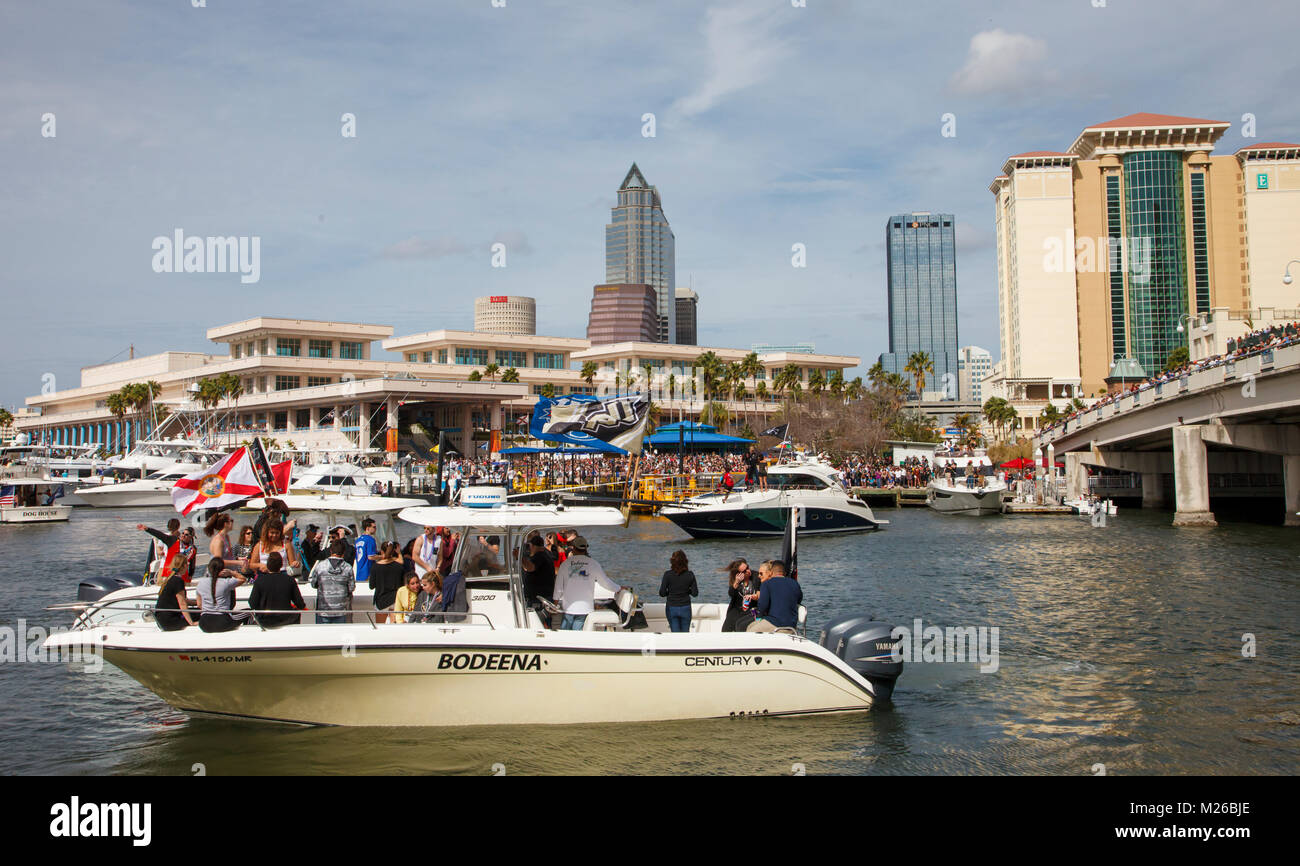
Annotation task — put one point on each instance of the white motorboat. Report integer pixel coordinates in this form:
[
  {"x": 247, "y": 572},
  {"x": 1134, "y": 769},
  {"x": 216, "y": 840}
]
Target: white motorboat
[
  {"x": 31, "y": 500},
  {"x": 155, "y": 455},
  {"x": 806, "y": 482},
  {"x": 1088, "y": 506},
  {"x": 155, "y": 491},
  {"x": 344, "y": 476},
  {"x": 497, "y": 662},
  {"x": 963, "y": 498}
]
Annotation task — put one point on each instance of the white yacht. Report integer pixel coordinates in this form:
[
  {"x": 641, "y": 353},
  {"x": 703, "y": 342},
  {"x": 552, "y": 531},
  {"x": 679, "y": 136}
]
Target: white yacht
[
  {"x": 1089, "y": 506},
  {"x": 960, "y": 498},
  {"x": 154, "y": 491},
  {"x": 816, "y": 487},
  {"x": 154, "y": 455},
  {"x": 493, "y": 661}
]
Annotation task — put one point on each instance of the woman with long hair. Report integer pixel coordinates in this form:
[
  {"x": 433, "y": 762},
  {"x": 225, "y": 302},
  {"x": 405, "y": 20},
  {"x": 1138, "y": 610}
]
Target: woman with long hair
[
  {"x": 406, "y": 596},
  {"x": 678, "y": 585},
  {"x": 218, "y": 529},
  {"x": 742, "y": 590},
  {"x": 386, "y": 579},
  {"x": 272, "y": 541},
  {"x": 217, "y": 598},
  {"x": 447, "y": 551},
  {"x": 243, "y": 547}
]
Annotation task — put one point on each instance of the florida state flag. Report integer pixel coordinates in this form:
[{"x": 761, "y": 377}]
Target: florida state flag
[{"x": 226, "y": 483}]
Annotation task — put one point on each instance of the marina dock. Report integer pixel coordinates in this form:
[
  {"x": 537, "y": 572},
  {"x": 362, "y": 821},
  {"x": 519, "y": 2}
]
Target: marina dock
[{"x": 892, "y": 497}]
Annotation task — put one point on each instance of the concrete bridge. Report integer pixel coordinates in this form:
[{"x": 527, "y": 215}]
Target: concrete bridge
[{"x": 1228, "y": 430}]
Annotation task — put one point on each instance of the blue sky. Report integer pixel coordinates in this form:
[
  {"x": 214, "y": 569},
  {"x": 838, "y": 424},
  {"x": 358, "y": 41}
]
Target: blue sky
[{"x": 775, "y": 124}]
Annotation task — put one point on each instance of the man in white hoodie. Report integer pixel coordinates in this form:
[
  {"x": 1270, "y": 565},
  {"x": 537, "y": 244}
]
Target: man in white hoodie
[{"x": 575, "y": 585}]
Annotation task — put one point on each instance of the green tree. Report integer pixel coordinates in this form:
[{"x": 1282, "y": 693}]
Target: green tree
[
  {"x": 919, "y": 364},
  {"x": 476, "y": 376},
  {"x": 1179, "y": 357},
  {"x": 589, "y": 371},
  {"x": 817, "y": 383},
  {"x": 510, "y": 375},
  {"x": 491, "y": 371},
  {"x": 1000, "y": 415},
  {"x": 548, "y": 390}
]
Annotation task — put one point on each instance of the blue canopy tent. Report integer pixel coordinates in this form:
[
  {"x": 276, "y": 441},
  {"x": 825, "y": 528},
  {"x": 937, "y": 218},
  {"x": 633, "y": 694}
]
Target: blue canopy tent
[{"x": 693, "y": 436}]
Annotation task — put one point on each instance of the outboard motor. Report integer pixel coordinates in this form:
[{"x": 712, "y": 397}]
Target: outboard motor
[
  {"x": 95, "y": 588},
  {"x": 867, "y": 647}
]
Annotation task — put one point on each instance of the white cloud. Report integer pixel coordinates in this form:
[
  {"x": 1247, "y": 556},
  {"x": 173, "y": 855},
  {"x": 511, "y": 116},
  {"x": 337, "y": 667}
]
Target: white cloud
[
  {"x": 743, "y": 50},
  {"x": 1000, "y": 61}
]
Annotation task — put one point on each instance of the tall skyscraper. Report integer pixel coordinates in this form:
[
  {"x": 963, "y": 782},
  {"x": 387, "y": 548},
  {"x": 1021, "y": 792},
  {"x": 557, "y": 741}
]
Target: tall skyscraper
[
  {"x": 687, "y": 307},
  {"x": 623, "y": 313},
  {"x": 640, "y": 248},
  {"x": 1105, "y": 249},
  {"x": 922, "y": 268}
]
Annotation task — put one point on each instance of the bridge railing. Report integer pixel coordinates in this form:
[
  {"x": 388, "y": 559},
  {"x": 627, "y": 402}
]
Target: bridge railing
[{"x": 1238, "y": 369}]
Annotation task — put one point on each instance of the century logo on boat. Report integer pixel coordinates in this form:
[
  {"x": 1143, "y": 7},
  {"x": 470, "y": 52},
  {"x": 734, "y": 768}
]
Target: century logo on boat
[
  {"x": 932, "y": 643},
  {"x": 212, "y": 255}
]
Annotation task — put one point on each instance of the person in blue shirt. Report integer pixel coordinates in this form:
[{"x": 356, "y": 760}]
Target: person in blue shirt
[
  {"x": 367, "y": 550},
  {"x": 779, "y": 598}
]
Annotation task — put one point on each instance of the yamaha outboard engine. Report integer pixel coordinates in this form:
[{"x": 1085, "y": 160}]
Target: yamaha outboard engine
[
  {"x": 867, "y": 647},
  {"x": 95, "y": 588}
]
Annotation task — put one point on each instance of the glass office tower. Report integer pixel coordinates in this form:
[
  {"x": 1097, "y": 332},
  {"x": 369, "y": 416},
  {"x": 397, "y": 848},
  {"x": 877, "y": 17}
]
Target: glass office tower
[
  {"x": 922, "y": 268},
  {"x": 640, "y": 248},
  {"x": 1157, "y": 296}
]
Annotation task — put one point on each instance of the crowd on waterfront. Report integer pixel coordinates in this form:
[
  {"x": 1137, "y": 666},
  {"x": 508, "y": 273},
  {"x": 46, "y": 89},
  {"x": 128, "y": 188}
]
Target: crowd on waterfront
[
  {"x": 860, "y": 471},
  {"x": 1254, "y": 343}
]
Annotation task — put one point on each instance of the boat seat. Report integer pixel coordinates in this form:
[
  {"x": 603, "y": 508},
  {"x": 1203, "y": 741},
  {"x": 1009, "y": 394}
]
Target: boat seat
[{"x": 707, "y": 617}]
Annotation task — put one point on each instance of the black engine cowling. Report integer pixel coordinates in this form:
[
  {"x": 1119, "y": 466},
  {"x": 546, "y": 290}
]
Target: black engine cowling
[
  {"x": 95, "y": 588},
  {"x": 867, "y": 647}
]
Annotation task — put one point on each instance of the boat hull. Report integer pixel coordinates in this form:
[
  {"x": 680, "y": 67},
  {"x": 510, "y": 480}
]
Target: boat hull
[
  {"x": 766, "y": 521},
  {"x": 949, "y": 500},
  {"x": 39, "y": 514},
  {"x": 107, "y": 497},
  {"x": 516, "y": 677}
]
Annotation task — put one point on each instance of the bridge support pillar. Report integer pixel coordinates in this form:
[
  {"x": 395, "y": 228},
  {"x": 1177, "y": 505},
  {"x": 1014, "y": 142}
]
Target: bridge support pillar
[
  {"x": 1076, "y": 477},
  {"x": 1291, "y": 485},
  {"x": 1191, "y": 478}
]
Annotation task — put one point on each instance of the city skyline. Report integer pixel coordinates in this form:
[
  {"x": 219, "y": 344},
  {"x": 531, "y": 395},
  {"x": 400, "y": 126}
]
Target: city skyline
[{"x": 751, "y": 144}]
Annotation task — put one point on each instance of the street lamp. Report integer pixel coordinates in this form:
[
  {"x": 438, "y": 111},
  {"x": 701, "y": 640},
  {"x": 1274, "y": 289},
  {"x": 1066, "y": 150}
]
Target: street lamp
[
  {"x": 1286, "y": 278},
  {"x": 1205, "y": 325}
]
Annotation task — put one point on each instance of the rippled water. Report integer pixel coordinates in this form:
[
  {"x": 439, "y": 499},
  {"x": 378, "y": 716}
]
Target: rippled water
[{"x": 1119, "y": 645}]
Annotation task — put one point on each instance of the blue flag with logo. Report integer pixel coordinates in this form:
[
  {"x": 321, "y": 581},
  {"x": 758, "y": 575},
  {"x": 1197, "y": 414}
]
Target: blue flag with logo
[{"x": 614, "y": 424}]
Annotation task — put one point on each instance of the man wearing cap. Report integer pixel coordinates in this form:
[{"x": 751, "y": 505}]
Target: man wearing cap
[{"x": 575, "y": 585}]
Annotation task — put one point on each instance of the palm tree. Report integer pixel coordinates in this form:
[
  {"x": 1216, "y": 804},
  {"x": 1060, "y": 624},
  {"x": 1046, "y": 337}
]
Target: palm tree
[
  {"x": 999, "y": 413},
  {"x": 476, "y": 376},
  {"x": 816, "y": 383},
  {"x": 629, "y": 379},
  {"x": 649, "y": 377},
  {"x": 854, "y": 389},
  {"x": 548, "y": 390},
  {"x": 918, "y": 364},
  {"x": 117, "y": 405},
  {"x": 876, "y": 374},
  {"x": 710, "y": 369},
  {"x": 510, "y": 376},
  {"x": 588, "y": 374},
  {"x": 835, "y": 382},
  {"x": 672, "y": 389},
  {"x": 491, "y": 371}
]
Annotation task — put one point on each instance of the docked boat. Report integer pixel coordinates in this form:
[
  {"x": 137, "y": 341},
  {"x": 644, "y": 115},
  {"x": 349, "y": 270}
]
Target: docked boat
[
  {"x": 336, "y": 477},
  {"x": 155, "y": 491},
  {"x": 156, "y": 455},
  {"x": 960, "y": 498},
  {"x": 1089, "y": 506},
  {"x": 495, "y": 661},
  {"x": 813, "y": 486},
  {"x": 31, "y": 500}
]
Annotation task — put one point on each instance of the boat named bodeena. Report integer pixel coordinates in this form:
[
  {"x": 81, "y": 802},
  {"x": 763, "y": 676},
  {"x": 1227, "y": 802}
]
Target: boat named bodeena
[
  {"x": 494, "y": 661},
  {"x": 814, "y": 487}
]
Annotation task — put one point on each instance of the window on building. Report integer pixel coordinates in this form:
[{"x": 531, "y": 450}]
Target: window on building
[
  {"x": 286, "y": 383},
  {"x": 261, "y": 384},
  {"x": 548, "y": 360},
  {"x": 302, "y": 419},
  {"x": 261, "y": 347},
  {"x": 234, "y": 351},
  {"x": 288, "y": 347},
  {"x": 280, "y": 421},
  {"x": 537, "y": 389},
  {"x": 316, "y": 381},
  {"x": 442, "y": 356},
  {"x": 510, "y": 358},
  {"x": 472, "y": 357},
  {"x": 320, "y": 349},
  {"x": 412, "y": 356},
  {"x": 653, "y": 363},
  {"x": 350, "y": 350},
  {"x": 427, "y": 357}
]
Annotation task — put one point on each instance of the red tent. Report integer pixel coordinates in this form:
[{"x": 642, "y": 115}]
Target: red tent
[{"x": 1018, "y": 463}]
